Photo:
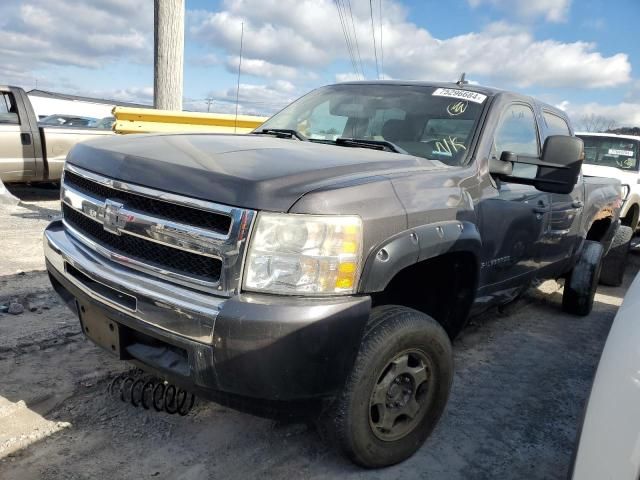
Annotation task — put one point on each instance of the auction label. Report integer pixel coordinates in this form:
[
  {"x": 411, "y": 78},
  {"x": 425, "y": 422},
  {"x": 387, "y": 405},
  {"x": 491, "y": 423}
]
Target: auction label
[
  {"x": 461, "y": 94},
  {"x": 623, "y": 153}
]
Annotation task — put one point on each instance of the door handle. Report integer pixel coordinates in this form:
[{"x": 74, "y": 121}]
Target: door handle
[
  {"x": 25, "y": 138},
  {"x": 541, "y": 208},
  {"x": 577, "y": 204}
]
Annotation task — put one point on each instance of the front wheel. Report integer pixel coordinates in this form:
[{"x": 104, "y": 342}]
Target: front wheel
[{"x": 397, "y": 390}]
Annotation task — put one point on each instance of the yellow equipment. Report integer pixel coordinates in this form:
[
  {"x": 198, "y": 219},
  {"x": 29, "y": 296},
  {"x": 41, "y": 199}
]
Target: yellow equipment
[{"x": 149, "y": 120}]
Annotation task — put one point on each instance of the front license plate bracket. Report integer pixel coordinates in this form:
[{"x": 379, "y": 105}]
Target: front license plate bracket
[{"x": 100, "y": 329}]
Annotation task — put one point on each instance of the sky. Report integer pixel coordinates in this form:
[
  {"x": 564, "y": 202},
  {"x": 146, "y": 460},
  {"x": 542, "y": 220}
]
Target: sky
[{"x": 580, "y": 55}]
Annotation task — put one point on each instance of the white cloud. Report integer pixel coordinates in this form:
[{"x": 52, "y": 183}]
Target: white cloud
[
  {"x": 307, "y": 34},
  {"x": 347, "y": 77},
  {"x": 550, "y": 10},
  {"x": 506, "y": 56},
  {"x": 37, "y": 34},
  {"x": 207, "y": 60},
  {"x": 265, "y": 99},
  {"x": 624, "y": 114},
  {"x": 261, "y": 68},
  {"x": 142, "y": 95},
  {"x": 276, "y": 44}
]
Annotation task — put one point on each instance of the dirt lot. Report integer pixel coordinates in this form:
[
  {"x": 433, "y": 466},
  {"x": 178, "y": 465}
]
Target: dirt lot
[{"x": 522, "y": 377}]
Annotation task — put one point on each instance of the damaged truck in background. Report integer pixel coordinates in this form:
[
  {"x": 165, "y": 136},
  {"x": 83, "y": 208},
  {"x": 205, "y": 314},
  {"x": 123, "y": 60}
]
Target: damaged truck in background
[{"x": 321, "y": 265}]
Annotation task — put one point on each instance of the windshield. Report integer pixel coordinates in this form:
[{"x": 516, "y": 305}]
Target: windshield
[
  {"x": 615, "y": 152},
  {"x": 434, "y": 123},
  {"x": 67, "y": 121}
]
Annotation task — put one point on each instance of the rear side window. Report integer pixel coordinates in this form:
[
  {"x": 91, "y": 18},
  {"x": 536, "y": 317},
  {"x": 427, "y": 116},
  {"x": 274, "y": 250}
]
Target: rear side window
[
  {"x": 556, "y": 125},
  {"x": 8, "y": 108}
]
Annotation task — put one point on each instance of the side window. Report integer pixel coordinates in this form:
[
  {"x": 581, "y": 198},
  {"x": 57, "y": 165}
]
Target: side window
[
  {"x": 8, "y": 108},
  {"x": 517, "y": 132},
  {"x": 556, "y": 125}
]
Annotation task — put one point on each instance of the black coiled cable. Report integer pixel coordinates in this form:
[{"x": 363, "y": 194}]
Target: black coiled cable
[{"x": 141, "y": 389}]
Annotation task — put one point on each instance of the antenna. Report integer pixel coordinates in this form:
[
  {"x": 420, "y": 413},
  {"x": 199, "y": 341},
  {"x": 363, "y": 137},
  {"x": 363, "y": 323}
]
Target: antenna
[
  {"x": 235, "y": 124},
  {"x": 462, "y": 81}
]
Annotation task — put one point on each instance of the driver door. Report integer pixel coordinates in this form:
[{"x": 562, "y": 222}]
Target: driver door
[{"x": 514, "y": 221}]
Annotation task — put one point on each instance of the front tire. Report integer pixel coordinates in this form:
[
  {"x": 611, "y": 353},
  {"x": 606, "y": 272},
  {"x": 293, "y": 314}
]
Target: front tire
[{"x": 397, "y": 390}]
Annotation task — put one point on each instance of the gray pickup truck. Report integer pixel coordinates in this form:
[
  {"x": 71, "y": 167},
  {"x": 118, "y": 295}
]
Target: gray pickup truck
[
  {"x": 322, "y": 264},
  {"x": 30, "y": 152}
]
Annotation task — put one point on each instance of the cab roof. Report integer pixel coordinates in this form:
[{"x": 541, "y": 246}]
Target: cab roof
[
  {"x": 489, "y": 91},
  {"x": 615, "y": 135}
]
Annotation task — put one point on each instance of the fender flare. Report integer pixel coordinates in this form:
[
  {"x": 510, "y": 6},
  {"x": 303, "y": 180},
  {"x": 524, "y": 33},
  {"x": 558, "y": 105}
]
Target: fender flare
[{"x": 415, "y": 245}]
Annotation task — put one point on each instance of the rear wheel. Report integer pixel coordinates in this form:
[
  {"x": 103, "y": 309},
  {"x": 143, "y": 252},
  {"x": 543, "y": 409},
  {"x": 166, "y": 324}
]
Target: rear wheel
[
  {"x": 615, "y": 261},
  {"x": 397, "y": 390},
  {"x": 631, "y": 219},
  {"x": 582, "y": 282}
]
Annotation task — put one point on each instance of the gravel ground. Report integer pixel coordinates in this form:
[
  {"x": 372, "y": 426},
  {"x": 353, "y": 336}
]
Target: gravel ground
[{"x": 523, "y": 374}]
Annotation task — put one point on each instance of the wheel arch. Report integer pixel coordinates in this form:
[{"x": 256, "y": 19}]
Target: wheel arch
[{"x": 433, "y": 268}]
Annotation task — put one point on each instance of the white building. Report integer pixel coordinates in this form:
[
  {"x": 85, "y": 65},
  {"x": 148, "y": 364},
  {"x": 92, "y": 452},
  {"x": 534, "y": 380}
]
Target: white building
[{"x": 50, "y": 103}]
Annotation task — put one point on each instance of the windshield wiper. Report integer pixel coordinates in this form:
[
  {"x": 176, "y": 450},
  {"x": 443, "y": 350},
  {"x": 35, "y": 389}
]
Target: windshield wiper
[
  {"x": 373, "y": 144},
  {"x": 281, "y": 133}
]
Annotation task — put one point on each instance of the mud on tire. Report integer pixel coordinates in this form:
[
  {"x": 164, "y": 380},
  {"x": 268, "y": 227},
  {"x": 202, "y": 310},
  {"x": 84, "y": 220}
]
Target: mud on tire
[{"x": 397, "y": 390}]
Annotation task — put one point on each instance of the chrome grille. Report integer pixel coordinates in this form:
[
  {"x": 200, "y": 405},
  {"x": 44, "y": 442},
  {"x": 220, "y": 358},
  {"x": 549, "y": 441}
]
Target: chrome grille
[
  {"x": 158, "y": 255},
  {"x": 189, "y": 216},
  {"x": 182, "y": 240}
]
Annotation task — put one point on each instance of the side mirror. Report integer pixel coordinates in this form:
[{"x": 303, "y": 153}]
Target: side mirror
[
  {"x": 558, "y": 168},
  {"x": 562, "y": 158}
]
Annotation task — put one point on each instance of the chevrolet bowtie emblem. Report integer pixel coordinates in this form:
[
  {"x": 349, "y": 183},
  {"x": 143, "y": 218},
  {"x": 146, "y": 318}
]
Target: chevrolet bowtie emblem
[{"x": 113, "y": 218}]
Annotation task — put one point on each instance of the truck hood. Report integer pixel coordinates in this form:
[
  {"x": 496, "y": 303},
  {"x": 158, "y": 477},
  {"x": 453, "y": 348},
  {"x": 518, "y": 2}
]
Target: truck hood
[
  {"x": 626, "y": 178},
  {"x": 250, "y": 171}
]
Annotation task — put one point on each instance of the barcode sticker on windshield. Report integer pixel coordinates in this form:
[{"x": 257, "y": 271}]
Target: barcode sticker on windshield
[
  {"x": 461, "y": 94},
  {"x": 622, "y": 153}
]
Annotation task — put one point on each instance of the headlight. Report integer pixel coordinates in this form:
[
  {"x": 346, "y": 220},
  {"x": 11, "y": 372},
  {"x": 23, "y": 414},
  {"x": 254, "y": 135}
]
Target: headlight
[
  {"x": 625, "y": 191},
  {"x": 304, "y": 254}
]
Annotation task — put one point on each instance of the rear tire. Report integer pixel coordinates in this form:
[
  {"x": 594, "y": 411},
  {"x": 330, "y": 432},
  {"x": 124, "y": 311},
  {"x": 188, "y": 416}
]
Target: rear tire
[
  {"x": 615, "y": 261},
  {"x": 397, "y": 390},
  {"x": 631, "y": 219},
  {"x": 582, "y": 282}
]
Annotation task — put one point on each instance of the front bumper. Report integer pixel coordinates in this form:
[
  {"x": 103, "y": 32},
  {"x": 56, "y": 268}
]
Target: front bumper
[{"x": 252, "y": 345}]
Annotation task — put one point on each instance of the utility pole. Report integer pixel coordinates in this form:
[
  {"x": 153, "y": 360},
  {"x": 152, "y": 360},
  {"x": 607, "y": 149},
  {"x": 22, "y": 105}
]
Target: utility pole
[
  {"x": 168, "y": 61},
  {"x": 209, "y": 101}
]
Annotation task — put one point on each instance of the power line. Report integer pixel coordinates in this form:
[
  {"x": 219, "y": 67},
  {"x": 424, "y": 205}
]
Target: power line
[
  {"x": 346, "y": 36},
  {"x": 355, "y": 34},
  {"x": 381, "y": 49},
  {"x": 373, "y": 33},
  {"x": 343, "y": 20}
]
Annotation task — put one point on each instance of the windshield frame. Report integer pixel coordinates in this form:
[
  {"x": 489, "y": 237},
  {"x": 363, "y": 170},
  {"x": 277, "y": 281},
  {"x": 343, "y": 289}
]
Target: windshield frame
[{"x": 472, "y": 138}]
